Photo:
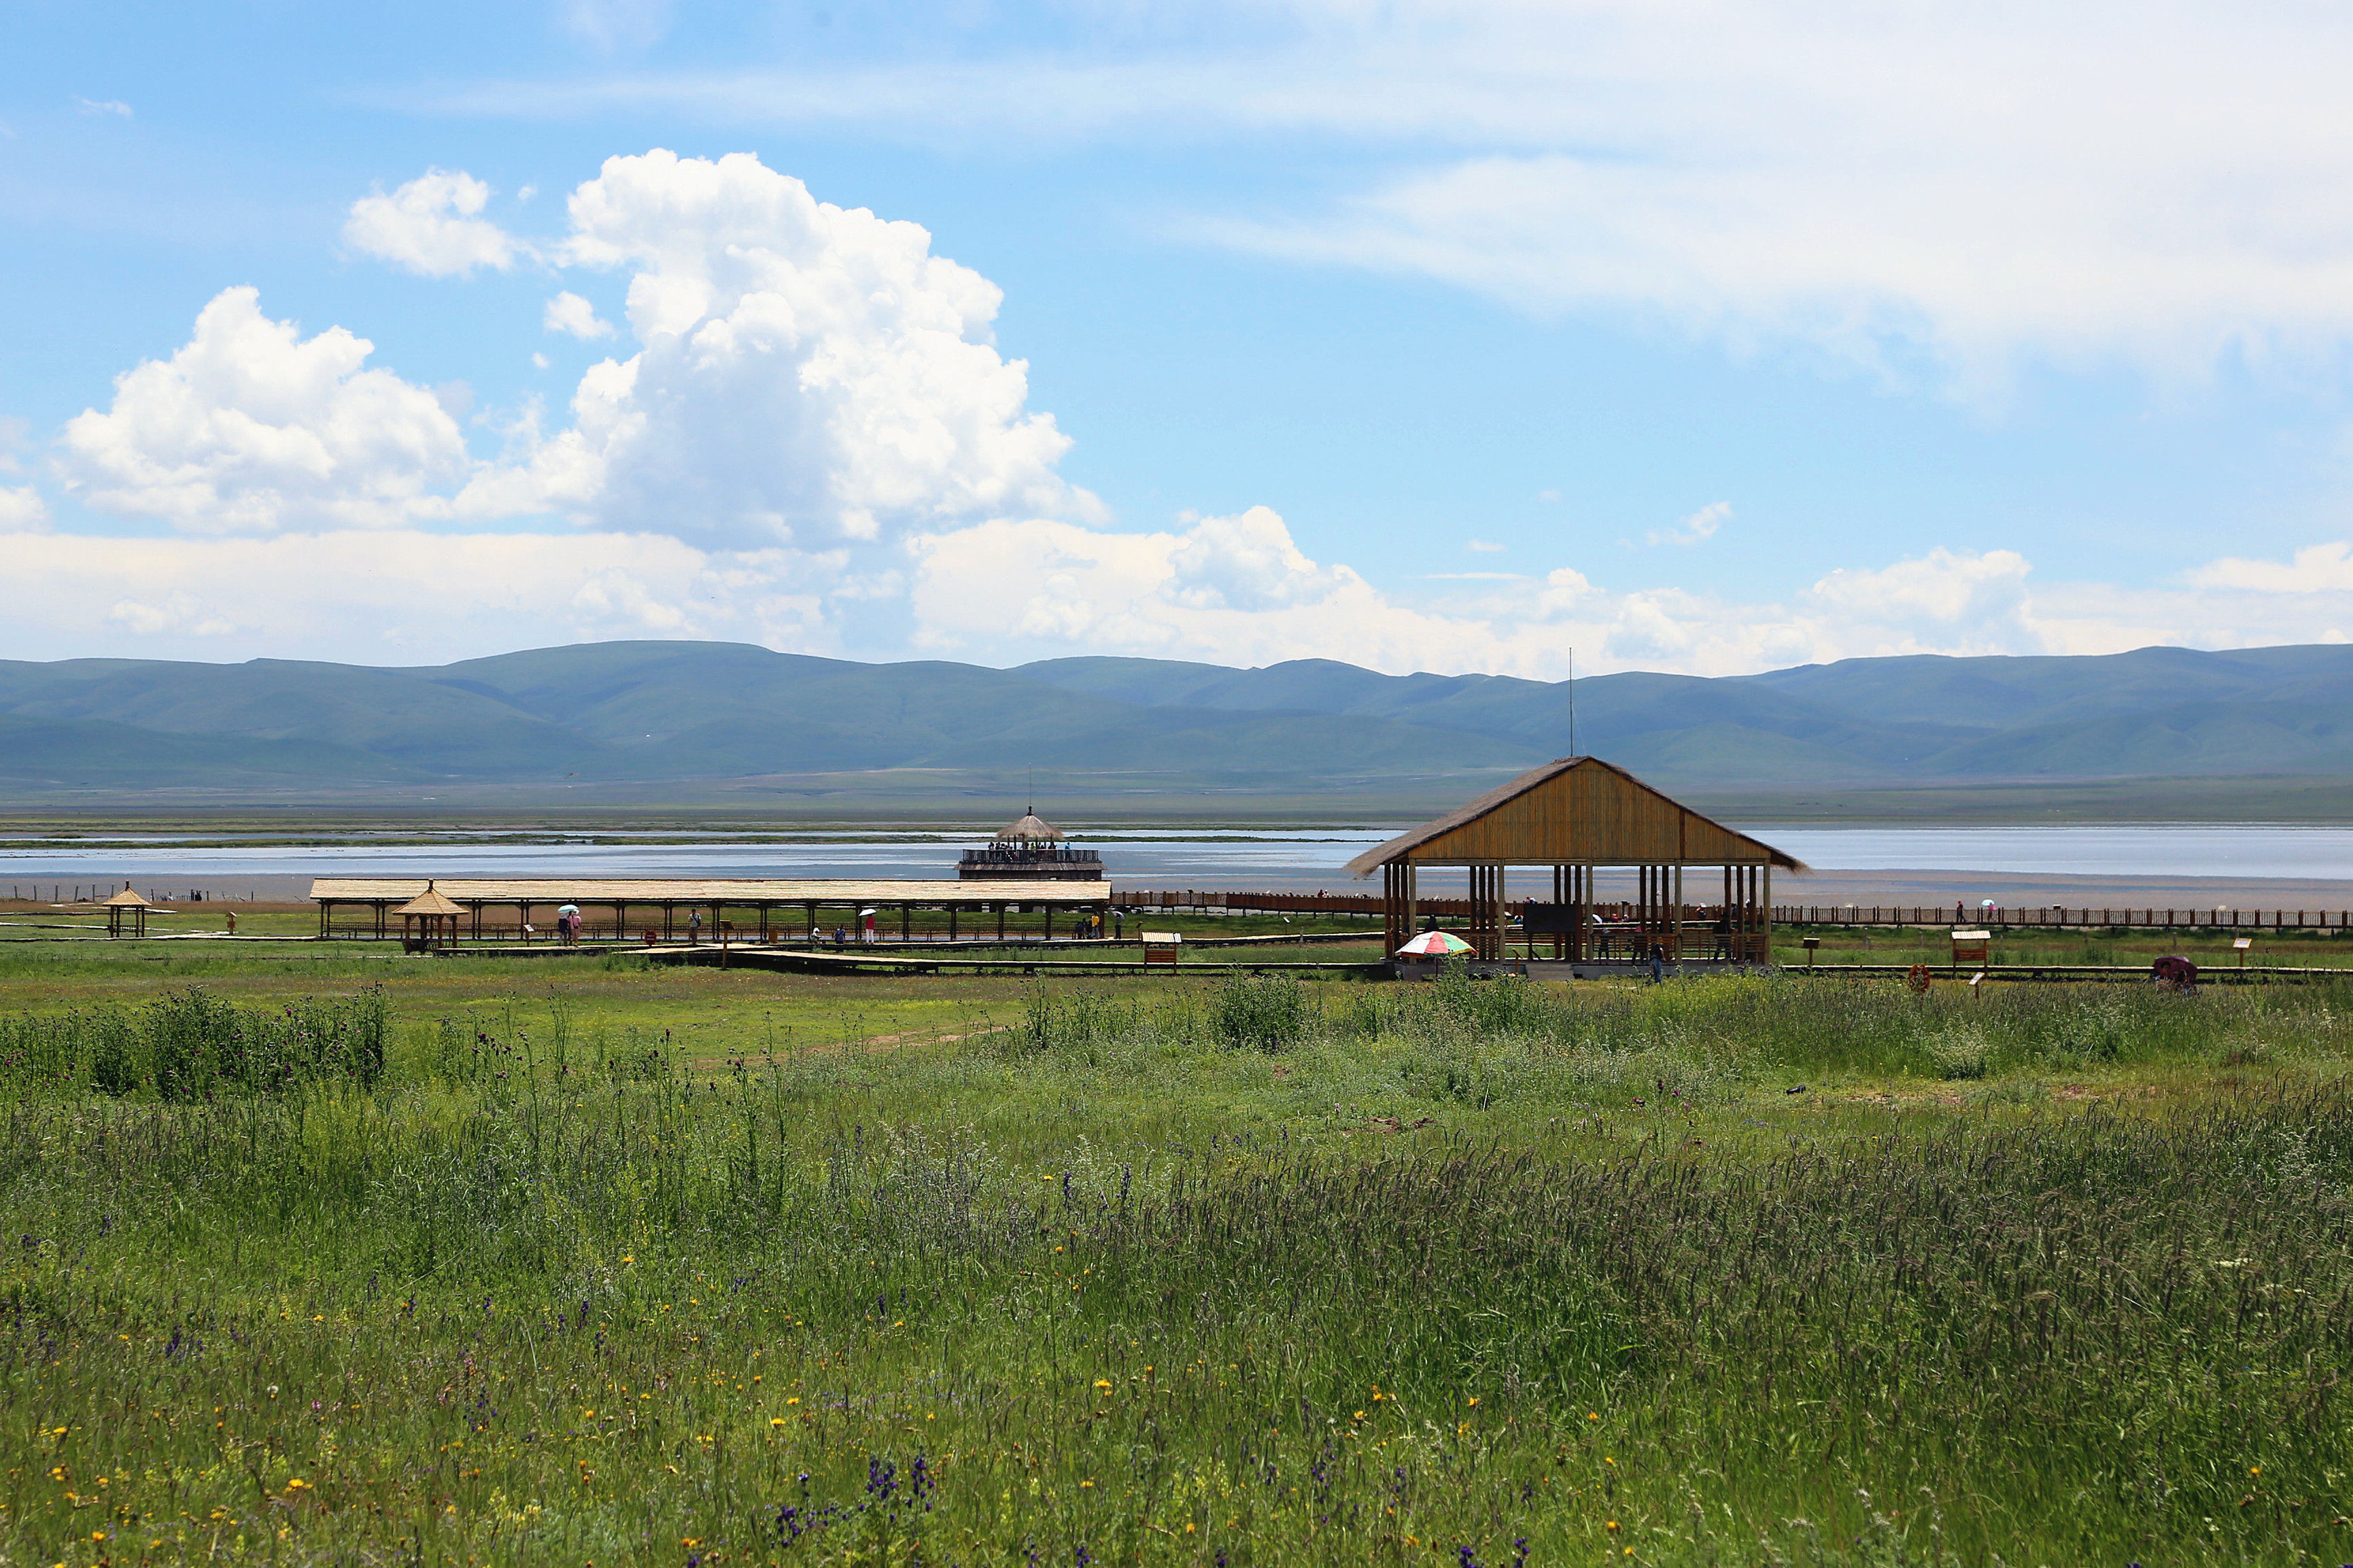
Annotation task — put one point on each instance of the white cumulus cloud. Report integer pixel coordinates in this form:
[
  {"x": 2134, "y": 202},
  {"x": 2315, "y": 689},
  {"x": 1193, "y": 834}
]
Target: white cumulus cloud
[
  {"x": 251, "y": 428},
  {"x": 432, "y": 225},
  {"x": 22, "y": 509},
  {"x": 1698, "y": 528},
  {"x": 808, "y": 373},
  {"x": 568, "y": 313},
  {"x": 2319, "y": 568}
]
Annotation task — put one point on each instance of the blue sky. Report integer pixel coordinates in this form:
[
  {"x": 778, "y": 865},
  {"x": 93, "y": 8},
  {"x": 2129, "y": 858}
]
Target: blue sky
[{"x": 1708, "y": 337}]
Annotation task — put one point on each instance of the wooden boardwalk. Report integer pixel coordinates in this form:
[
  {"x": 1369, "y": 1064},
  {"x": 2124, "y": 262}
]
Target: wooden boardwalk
[{"x": 2048, "y": 917}]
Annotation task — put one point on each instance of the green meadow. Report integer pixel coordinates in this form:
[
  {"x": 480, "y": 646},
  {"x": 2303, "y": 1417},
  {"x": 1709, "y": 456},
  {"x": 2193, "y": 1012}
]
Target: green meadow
[{"x": 329, "y": 1256}]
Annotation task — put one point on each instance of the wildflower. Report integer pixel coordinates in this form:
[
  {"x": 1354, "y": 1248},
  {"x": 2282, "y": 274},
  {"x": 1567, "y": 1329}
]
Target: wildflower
[
  {"x": 795, "y": 1399},
  {"x": 297, "y": 1485},
  {"x": 1086, "y": 1483},
  {"x": 1611, "y": 1525},
  {"x": 1593, "y": 1415},
  {"x": 776, "y": 1421},
  {"x": 1474, "y": 1400},
  {"x": 2255, "y": 1469},
  {"x": 1102, "y": 1382}
]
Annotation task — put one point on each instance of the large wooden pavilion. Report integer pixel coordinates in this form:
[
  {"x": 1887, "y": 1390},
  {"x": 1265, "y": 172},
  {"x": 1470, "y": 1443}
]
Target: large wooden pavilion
[{"x": 1569, "y": 819}]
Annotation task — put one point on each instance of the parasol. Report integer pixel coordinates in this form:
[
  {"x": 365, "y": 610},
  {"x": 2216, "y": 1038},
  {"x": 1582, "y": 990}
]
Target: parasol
[{"x": 1433, "y": 944}]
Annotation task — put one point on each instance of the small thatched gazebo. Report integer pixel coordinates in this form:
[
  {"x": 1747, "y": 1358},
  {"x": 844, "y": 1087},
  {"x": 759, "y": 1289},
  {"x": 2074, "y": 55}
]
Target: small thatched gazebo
[
  {"x": 429, "y": 921},
  {"x": 126, "y": 903}
]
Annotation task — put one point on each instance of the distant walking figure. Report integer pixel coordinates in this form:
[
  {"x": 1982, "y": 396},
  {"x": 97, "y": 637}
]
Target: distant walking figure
[{"x": 694, "y": 927}]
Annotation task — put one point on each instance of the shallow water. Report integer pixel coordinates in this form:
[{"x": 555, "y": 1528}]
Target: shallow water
[{"x": 1305, "y": 859}]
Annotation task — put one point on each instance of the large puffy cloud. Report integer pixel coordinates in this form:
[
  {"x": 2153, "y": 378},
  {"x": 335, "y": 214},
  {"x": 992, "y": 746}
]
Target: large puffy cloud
[
  {"x": 432, "y": 225},
  {"x": 808, "y": 377},
  {"x": 250, "y": 427},
  {"x": 809, "y": 373}
]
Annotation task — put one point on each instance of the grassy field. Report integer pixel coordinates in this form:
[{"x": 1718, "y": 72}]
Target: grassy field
[{"x": 326, "y": 1256}]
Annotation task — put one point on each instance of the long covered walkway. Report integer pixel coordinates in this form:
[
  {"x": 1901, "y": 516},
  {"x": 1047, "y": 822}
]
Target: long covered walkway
[{"x": 740, "y": 909}]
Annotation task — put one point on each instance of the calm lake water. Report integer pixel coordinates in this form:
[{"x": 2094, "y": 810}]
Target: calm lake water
[{"x": 1305, "y": 859}]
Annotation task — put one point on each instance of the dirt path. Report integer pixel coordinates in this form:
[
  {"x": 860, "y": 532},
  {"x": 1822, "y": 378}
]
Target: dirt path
[{"x": 923, "y": 1037}]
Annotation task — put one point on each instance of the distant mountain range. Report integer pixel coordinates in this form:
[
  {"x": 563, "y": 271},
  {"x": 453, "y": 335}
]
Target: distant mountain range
[{"x": 676, "y": 711}]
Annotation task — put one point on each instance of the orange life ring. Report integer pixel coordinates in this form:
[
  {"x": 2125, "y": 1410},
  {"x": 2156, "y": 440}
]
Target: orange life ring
[{"x": 1919, "y": 979}]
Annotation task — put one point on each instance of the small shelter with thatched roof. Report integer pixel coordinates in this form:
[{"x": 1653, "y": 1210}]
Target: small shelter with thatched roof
[
  {"x": 429, "y": 921},
  {"x": 126, "y": 905},
  {"x": 1573, "y": 817},
  {"x": 1031, "y": 850}
]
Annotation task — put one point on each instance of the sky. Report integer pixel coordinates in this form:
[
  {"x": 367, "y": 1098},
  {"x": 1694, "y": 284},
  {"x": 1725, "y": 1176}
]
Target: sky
[{"x": 1489, "y": 336}]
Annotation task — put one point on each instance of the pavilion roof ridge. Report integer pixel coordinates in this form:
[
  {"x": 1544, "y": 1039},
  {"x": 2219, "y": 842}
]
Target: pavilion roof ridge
[{"x": 1404, "y": 844}]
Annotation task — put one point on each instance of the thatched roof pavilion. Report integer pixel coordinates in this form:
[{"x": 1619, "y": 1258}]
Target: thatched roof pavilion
[{"x": 122, "y": 904}]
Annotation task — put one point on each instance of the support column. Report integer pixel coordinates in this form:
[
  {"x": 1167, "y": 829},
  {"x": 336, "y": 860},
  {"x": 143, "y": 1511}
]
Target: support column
[
  {"x": 1000, "y": 920},
  {"x": 1675, "y": 920},
  {"x": 952, "y": 922},
  {"x": 1580, "y": 897},
  {"x": 905, "y": 934}
]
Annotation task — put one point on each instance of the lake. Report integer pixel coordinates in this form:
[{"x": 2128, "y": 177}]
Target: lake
[{"x": 1140, "y": 857}]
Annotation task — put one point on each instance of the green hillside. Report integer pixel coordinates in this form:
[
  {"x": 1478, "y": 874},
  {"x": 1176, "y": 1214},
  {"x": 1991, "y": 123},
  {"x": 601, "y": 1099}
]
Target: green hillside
[
  {"x": 649, "y": 712},
  {"x": 2170, "y": 711}
]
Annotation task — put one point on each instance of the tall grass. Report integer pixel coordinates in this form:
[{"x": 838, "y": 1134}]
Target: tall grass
[
  {"x": 190, "y": 1045},
  {"x": 531, "y": 1298}
]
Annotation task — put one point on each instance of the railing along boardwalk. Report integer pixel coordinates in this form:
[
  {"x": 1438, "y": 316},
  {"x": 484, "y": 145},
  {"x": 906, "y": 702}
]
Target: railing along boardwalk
[
  {"x": 2055, "y": 916},
  {"x": 1210, "y": 901}
]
